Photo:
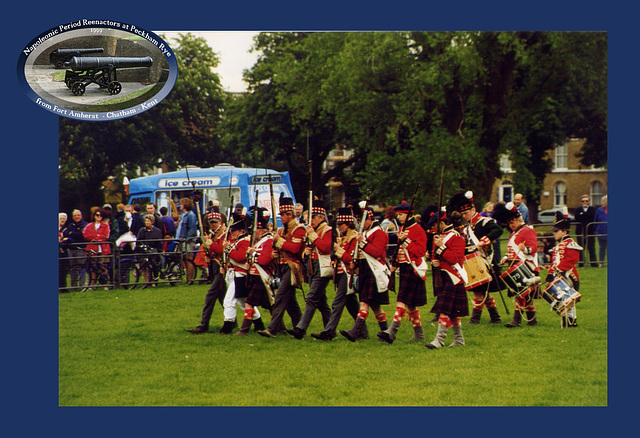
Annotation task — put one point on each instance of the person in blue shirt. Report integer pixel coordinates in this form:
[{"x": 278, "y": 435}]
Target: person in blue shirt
[
  {"x": 188, "y": 226},
  {"x": 524, "y": 211},
  {"x": 601, "y": 230}
]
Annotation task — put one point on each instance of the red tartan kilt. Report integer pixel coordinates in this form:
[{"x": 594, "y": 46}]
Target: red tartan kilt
[
  {"x": 451, "y": 299},
  {"x": 257, "y": 292},
  {"x": 412, "y": 290}
]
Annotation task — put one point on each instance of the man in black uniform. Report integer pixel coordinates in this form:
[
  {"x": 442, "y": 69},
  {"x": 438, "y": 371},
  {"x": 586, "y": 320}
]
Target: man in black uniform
[{"x": 479, "y": 233}]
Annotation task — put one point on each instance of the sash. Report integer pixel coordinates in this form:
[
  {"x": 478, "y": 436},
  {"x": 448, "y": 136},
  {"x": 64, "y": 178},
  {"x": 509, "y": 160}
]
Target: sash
[
  {"x": 380, "y": 271},
  {"x": 266, "y": 281},
  {"x": 421, "y": 269},
  {"x": 456, "y": 266}
]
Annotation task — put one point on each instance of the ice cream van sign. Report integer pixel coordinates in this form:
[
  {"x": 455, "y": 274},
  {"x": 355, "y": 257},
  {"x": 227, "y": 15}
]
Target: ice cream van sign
[{"x": 177, "y": 183}]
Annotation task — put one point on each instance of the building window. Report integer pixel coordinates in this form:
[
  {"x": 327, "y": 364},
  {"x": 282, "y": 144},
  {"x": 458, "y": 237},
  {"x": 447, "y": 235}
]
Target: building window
[
  {"x": 505, "y": 163},
  {"x": 562, "y": 154},
  {"x": 596, "y": 192},
  {"x": 560, "y": 195}
]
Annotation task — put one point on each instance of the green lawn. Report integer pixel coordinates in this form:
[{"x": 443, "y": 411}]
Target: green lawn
[{"x": 132, "y": 348}]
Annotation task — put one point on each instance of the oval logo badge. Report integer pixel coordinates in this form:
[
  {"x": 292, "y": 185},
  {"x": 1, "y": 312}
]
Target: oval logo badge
[{"x": 97, "y": 70}]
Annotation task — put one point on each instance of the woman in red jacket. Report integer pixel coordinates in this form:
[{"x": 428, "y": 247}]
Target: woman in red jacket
[{"x": 97, "y": 231}]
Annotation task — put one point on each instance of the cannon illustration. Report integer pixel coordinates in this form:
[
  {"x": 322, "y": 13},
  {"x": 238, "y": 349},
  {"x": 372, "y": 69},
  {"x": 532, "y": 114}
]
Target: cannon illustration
[
  {"x": 83, "y": 71},
  {"x": 60, "y": 56}
]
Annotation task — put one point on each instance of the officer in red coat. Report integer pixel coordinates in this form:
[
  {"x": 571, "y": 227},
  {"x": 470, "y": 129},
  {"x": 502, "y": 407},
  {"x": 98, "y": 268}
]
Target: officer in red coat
[
  {"x": 373, "y": 273},
  {"x": 288, "y": 243}
]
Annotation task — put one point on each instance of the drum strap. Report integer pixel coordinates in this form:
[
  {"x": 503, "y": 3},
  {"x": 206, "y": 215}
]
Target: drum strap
[
  {"x": 458, "y": 268},
  {"x": 472, "y": 237}
]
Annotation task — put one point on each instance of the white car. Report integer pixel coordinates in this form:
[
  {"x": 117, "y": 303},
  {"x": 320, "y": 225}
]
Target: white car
[{"x": 548, "y": 216}]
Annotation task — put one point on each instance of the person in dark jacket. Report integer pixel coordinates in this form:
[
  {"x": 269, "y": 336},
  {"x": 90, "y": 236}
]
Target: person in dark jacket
[
  {"x": 584, "y": 216},
  {"x": 74, "y": 238}
]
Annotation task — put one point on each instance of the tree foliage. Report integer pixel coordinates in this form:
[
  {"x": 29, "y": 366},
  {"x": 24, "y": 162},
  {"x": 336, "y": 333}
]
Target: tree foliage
[
  {"x": 408, "y": 103},
  {"x": 182, "y": 129}
]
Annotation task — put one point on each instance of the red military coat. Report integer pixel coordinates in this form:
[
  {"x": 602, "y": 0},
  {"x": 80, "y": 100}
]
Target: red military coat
[
  {"x": 525, "y": 234},
  {"x": 564, "y": 257},
  {"x": 414, "y": 246}
]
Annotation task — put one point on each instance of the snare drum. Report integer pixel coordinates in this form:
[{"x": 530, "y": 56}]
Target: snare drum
[
  {"x": 520, "y": 280},
  {"x": 477, "y": 271},
  {"x": 560, "y": 295}
]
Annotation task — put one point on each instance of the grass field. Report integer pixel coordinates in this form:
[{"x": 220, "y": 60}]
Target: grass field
[{"x": 132, "y": 348}]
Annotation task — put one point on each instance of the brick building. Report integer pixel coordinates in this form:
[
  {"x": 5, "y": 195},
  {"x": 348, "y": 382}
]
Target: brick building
[{"x": 564, "y": 185}]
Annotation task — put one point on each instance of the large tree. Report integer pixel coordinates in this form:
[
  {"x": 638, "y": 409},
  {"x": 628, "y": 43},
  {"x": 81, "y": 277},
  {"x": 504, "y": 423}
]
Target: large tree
[{"x": 181, "y": 130}]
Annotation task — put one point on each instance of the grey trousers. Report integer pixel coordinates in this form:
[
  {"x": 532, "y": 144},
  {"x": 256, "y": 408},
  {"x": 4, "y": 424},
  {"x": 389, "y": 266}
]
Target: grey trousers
[
  {"x": 316, "y": 298},
  {"x": 215, "y": 293},
  {"x": 341, "y": 301},
  {"x": 285, "y": 300}
]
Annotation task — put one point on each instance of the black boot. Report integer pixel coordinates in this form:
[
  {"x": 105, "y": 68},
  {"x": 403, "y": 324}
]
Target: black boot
[
  {"x": 531, "y": 318},
  {"x": 383, "y": 325},
  {"x": 364, "y": 333},
  {"x": 475, "y": 316},
  {"x": 198, "y": 330},
  {"x": 389, "y": 335},
  {"x": 353, "y": 334},
  {"x": 296, "y": 332},
  {"x": 227, "y": 328},
  {"x": 517, "y": 319},
  {"x": 258, "y": 325},
  {"x": 323, "y": 336},
  {"x": 495, "y": 316}
]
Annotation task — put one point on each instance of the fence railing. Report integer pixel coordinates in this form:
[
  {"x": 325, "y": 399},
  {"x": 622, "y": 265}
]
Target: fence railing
[{"x": 127, "y": 267}]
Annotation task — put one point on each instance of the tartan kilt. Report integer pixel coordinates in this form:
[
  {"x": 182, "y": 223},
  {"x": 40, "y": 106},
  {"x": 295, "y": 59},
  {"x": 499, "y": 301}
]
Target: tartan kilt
[
  {"x": 451, "y": 299},
  {"x": 368, "y": 290},
  {"x": 257, "y": 292},
  {"x": 412, "y": 290}
]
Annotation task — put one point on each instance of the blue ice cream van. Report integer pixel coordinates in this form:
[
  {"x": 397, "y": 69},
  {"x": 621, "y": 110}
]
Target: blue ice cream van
[{"x": 223, "y": 182}]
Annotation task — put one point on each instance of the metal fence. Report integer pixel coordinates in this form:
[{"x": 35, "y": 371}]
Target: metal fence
[{"x": 127, "y": 267}]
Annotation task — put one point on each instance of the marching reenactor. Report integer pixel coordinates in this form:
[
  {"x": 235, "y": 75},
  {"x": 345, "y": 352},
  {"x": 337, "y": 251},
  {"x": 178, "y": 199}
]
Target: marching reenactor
[
  {"x": 237, "y": 269},
  {"x": 522, "y": 247},
  {"x": 564, "y": 257},
  {"x": 319, "y": 250},
  {"x": 289, "y": 245},
  {"x": 214, "y": 250},
  {"x": 345, "y": 296},
  {"x": 261, "y": 273},
  {"x": 373, "y": 273},
  {"x": 479, "y": 234},
  {"x": 448, "y": 256},
  {"x": 411, "y": 263}
]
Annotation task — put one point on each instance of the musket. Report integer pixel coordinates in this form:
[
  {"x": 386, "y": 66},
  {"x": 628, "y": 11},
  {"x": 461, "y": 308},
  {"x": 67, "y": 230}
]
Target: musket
[
  {"x": 437, "y": 279},
  {"x": 225, "y": 255},
  {"x": 334, "y": 239},
  {"x": 310, "y": 210},
  {"x": 273, "y": 217},
  {"x": 255, "y": 220},
  {"x": 394, "y": 258},
  {"x": 360, "y": 229}
]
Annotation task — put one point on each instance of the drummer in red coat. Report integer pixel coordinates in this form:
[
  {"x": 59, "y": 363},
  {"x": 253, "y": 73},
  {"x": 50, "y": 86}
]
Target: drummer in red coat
[
  {"x": 564, "y": 257},
  {"x": 412, "y": 292},
  {"x": 521, "y": 247},
  {"x": 479, "y": 233},
  {"x": 451, "y": 302}
]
